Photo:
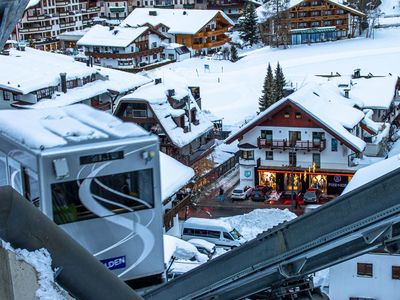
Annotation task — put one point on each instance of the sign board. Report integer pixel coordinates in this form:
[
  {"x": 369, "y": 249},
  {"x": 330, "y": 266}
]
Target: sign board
[
  {"x": 247, "y": 174},
  {"x": 114, "y": 262},
  {"x": 336, "y": 184}
]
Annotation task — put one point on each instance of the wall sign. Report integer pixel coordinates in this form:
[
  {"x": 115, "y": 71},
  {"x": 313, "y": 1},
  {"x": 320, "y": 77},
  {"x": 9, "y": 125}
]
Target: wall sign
[
  {"x": 247, "y": 174},
  {"x": 114, "y": 262}
]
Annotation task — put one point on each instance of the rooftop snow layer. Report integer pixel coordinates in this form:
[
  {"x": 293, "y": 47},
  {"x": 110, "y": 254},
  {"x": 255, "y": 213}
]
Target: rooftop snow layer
[
  {"x": 374, "y": 92},
  {"x": 372, "y": 172},
  {"x": 183, "y": 21},
  {"x": 100, "y": 35},
  {"x": 156, "y": 96},
  {"x": 174, "y": 175},
  {"x": 49, "y": 128},
  {"x": 23, "y": 68}
]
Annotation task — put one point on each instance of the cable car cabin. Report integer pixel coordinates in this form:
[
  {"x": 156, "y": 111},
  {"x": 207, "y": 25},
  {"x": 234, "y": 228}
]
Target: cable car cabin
[{"x": 95, "y": 176}]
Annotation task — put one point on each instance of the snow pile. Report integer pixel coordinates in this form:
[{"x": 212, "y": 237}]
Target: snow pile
[
  {"x": 40, "y": 260},
  {"x": 259, "y": 220}
]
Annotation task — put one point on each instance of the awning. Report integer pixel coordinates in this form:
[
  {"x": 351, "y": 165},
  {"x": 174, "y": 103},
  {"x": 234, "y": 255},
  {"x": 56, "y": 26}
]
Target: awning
[{"x": 313, "y": 30}]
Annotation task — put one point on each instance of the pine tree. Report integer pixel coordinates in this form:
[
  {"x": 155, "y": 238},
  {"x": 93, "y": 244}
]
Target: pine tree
[
  {"x": 248, "y": 28},
  {"x": 267, "y": 96},
  {"x": 234, "y": 54},
  {"x": 279, "y": 83}
]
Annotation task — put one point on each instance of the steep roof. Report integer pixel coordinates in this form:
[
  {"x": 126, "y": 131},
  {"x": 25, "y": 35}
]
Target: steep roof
[
  {"x": 183, "y": 21},
  {"x": 100, "y": 35},
  {"x": 322, "y": 103},
  {"x": 156, "y": 97}
]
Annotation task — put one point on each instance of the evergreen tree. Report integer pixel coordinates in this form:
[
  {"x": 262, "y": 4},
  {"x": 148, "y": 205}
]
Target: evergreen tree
[
  {"x": 234, "y": 54},
  {"x": 267, "y": 96},
  {"x": 248, "y": 28},
  {"x": 279, "y": 83}
]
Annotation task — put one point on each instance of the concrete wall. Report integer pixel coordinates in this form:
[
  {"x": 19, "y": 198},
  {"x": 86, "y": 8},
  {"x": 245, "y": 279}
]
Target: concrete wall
[{"x": 345, "y": 283}]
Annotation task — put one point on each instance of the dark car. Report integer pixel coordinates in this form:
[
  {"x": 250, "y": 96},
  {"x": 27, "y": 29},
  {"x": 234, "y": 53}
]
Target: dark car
[
  {"x": 257, "y": 194},
  {"x": 312, "y": 196}
]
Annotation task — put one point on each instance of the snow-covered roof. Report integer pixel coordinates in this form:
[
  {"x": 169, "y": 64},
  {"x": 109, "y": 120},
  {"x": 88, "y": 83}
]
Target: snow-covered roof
[
  {"x": 156, "y": 96},
  {"x": 180, "y": 249},
  {"x": 183, "y": 21},
  {"x": 374, "y": 92},
  {"x": 372, "y": 172},
  {"x": 266, "y": 11},
  {"x": 207, "y": 222},
  {"x": 174, "y": 175},
  {"x": 32, "y": 70},
  {"x": 100, "y": 35},
  {"x": 32, "y": 3},
  {"x": 57, "y": 127},
  {"x": 325, "y": 104}
]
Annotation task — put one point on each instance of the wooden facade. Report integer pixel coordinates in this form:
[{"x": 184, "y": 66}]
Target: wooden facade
[
  {"x": 212, "y": 35},
  {"x": 313, "y": 21}
]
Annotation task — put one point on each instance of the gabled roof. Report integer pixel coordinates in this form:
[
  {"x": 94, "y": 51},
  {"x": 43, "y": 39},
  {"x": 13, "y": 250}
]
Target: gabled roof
[
  {"x": 100, "y": 35},
  {"x": 156, "y": 97},
  {"x": 325, "y": 106},
  {"x": 179, "y": 21}
]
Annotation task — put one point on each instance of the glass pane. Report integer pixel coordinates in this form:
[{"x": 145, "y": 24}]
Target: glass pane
[{"x": 110, "y": 194}]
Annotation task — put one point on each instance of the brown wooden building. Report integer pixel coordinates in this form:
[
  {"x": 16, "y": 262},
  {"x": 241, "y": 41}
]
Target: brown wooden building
[{"x": 310, "y": 21}]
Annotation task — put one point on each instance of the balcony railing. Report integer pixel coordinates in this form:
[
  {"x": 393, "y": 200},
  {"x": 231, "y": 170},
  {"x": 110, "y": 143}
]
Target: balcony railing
[
  {"x": 35, "y": 29},
  {"x": 286, "y": 145},
  {"x": 212, "y": 32},
  {"x": 211, "y": 44}
]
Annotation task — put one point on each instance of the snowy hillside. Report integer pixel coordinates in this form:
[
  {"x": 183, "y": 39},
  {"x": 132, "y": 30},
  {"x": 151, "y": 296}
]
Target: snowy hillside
[{"x": 231, "y": 90}]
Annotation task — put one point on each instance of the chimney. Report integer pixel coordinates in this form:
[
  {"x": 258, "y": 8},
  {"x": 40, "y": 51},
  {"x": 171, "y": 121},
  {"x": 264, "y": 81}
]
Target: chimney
[
  {"x": 63, "y": 77},
  {"x": 346, "y": 93},
  {"x": 157, "y": 81},
  {"x": 356, "y": 73}
]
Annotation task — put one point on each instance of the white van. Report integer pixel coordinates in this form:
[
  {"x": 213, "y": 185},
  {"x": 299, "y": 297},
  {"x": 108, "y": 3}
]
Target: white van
[{"x": 214, "y": 231}]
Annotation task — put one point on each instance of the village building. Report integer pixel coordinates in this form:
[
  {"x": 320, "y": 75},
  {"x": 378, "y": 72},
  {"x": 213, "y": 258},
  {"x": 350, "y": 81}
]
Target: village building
[
  {"x": 375, "y": 275},
  {"x": 308, "y": 21},
  {"x": 41, "y": 79},
  {"x": 232, "y": 8},
  {"x": 116, "y": 9},
  {"x": 171, "y": 112},
  {"x": 312, "y": 138},
  {"x": 44, "y": 20},
  {"x": 122, "y": 47},
  {"x": 202, "y": 31}
]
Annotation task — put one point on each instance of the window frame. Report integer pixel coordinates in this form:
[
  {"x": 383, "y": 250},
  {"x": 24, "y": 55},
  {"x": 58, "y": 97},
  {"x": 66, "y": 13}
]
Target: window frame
[{"x": 365, "y": 269}]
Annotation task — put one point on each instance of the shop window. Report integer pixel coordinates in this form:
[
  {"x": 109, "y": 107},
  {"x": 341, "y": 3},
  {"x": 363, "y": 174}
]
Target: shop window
[
  {"x": 396, "y": 272},
  {"x": 364, "y": 269},
  {"x": 269, "y": 155},
  {"x": 247, "y": 155},
  {"x": 334, "y": 145},
  {"x": 267, "y": 179}
]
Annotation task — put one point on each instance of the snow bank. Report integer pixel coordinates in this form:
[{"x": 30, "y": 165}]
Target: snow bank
[
  {"x": 180, "y": 249},
  {"x": 259, "y": 220},
  {"x": 40, "y": 260}
]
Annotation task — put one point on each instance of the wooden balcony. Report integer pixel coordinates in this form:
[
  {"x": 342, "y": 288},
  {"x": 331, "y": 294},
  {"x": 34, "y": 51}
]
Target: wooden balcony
[
  {"x": 286, "y": 145},
  {"x": 34, "y": 29},
  {"x": 212, "y": 32},
  {"x": 62, "y": 3},
  {"x": 211, "y": 44},
  {"x": 126, "y": 55}
]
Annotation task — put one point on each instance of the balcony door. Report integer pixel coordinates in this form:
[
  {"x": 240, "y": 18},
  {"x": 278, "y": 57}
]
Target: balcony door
[
  {"x": 267, "y": 135},
  {"x": 294, "y": 136}
]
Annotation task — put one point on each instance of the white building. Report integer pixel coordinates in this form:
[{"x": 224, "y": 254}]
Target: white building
[
  {"x": 122, "y": 47},
  {"x": 314, "y": 137},
  {"x": 371, "y": 276},
  {"x": 36, "y": 78},
  {"x": 44, "y": 20},
  {"x": 116, "y": 9}
]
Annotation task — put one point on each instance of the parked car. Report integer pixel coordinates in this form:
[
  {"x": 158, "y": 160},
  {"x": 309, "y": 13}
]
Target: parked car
[
  {"x": 312, "y": 196},
  {"x": 241, "y": 193},
  {"x": 203, "y": 246},
  {"x": 257, "y": 194},
  {"x": 285, "y": 198}
]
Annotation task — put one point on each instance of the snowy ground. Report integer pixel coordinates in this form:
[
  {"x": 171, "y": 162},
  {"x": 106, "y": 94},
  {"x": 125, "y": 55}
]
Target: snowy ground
[{"x": 231, "y": 90}]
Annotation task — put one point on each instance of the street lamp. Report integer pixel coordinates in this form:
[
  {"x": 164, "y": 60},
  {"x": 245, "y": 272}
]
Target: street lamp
[{"x": 291, "y": 195}]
